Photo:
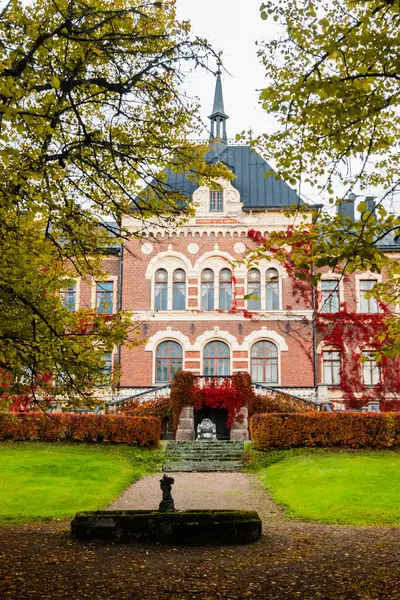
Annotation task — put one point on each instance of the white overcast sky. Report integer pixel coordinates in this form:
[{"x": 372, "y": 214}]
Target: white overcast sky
[{"x": 231, "y": 26}]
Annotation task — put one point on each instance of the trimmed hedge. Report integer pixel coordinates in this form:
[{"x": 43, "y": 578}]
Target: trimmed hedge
[
  {"x": 275, "y": 402},
  {"x": 347, "y": 430},
  {"x": 135, "y": 431}
]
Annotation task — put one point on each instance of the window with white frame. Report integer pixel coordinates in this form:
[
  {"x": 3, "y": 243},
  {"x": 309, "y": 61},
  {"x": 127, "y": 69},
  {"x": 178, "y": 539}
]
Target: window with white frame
[
  {"x": 169, "y": 360},
  {"x": 107, "y": 363},
  {"x": 216, "y": 359},
  {"x": 161, "y": 290},
  {"x": 216, "y": 201},
  {"x": 330, "y": 296},
  {"x": 331, "y": 367},
  {"x": 104, "y": 297},
  {"x": 272, "y": 289},
  {"x": 264, "y": 362},
  {"x": 371, "y": 370},
  {"x": 367, "y": 304},
  {"x": 68, "y": 296},
  {"x": 179, "y": 290},
  {"x": 254, "y": 289},
  {"x": 207, "y": 289},
  {"x": 225, "y": 289}
]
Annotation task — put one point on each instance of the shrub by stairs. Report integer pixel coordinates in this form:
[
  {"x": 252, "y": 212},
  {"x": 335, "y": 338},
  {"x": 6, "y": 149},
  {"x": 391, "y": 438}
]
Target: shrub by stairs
[{"x": 217, "y": 455}]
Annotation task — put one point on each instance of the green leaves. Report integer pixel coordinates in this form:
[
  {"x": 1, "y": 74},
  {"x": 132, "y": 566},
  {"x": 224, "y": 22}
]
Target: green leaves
[{"x": 91, "y": 109}]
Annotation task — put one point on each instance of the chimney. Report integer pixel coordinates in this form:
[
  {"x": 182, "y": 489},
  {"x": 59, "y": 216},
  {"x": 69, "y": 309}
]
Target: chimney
[
  {"x": 370, "y": 202},
  {"x": 346, "y": 206}
]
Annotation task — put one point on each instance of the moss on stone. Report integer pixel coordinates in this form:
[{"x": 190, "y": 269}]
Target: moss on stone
[{"x": 194, "y": 528}]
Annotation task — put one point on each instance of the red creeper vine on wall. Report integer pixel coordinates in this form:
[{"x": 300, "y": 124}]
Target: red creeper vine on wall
[{"x": 346, "y": 331}]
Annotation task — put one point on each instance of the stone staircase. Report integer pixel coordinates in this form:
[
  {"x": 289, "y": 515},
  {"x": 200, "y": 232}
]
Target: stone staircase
[{"x": 204, "y": 456}]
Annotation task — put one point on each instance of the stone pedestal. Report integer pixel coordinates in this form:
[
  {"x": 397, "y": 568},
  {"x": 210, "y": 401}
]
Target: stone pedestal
[
  {"x": 240, "y": 427},
  {"x": 185, "y": 431}
]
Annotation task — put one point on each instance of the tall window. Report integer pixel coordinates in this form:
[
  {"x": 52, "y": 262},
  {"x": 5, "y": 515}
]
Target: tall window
[
  {"x": 331, "y": 367},
  {"x": 216, "y": 201},
  {"x": 272, "y": 289},
  {"x": 161, "y": 290},
  {"x": 216, "y": 359},
  {"x": 367, "y": 305},
  {"x": 207, "y": 290},
  {"x": 104, "y": 297},
  {"x": 254, "y": 288},
  {"x": 68, "y": 297},
  {"x": 225, "y": 289},
  {"x": 168, "y": 361},
  {"x": 264, "y": 362},
  {"x": 179, "y": 290},
  {"x": 107, "y": 363},
  {"x": 330, "y": 296},
  {"x": 371, "y": 371}
]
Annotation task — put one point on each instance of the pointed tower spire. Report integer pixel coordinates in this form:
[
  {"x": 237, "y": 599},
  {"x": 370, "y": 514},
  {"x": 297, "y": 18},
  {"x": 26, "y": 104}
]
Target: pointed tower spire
[{"x": 218, "y": 117}]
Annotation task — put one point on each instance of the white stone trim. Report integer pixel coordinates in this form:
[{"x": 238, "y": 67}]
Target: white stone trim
[
  {"x": 331, "y": 276},
  {"x": 170, "y": 260},
  {"x": 207, "y": 256},
  {"x": 163, "y": 336},
  {"x": 367, "y": 276},
  {"x": 193, "y": 314},
  {"x": 160, "y": 261},
  {"x": 167, "y": 334},
  {"x": 264, "y": 334},
  {"x": 215, "y": 335},
  {"x": 262, "y": 266},
  {"x": 114, "y": 279}
]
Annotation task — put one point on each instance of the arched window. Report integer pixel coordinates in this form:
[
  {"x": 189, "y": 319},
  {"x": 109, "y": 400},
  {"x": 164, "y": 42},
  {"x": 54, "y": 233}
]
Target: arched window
[
  {"x": 254, "y": 288},
  {"x": 161, "y": 290},
  {"x": 225, "y": 289},
  {"x": 168, "y": 361},
  {"x": 179, "y": 290},
  {"x": 216, "y": 359},
  {"x": 207, "y": 290},
  {"x": 272, "y": 289},
  {"x": 264, "y": 362}
]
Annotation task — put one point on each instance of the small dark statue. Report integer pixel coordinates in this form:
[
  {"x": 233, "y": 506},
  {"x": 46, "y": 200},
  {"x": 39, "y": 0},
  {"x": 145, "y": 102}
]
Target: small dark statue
[{"x": 167, "y": 502}]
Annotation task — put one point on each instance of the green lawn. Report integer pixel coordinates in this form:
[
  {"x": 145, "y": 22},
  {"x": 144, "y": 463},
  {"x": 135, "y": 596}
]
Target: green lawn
[
  {"x": 45, "y": 481},
  {"x": 352, "y": 488}
]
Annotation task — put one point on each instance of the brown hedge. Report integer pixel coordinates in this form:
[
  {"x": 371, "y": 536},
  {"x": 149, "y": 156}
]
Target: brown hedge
[
  {"x": 346, "y": 430},
  {"x": 276, "y": 402},
  {"x": 120, "y": 429}
]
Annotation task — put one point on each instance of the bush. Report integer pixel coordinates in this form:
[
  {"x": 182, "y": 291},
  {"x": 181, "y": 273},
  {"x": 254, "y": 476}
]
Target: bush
[
  {"x": 135, "y": 431},
  {"x": 276, "y": 402},
  {"x": 347, "y": 430},
  {"x": 160, "y": 408}
]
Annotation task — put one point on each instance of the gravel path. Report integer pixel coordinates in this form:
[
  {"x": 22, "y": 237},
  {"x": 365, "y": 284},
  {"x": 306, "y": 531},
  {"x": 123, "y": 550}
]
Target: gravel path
[
  {"x": 308, "y": 561},
  {"x": 201, "y": 490}
]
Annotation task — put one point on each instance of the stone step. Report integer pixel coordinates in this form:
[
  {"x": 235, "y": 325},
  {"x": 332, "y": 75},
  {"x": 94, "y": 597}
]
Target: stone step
[
  {"x": 225, "y": 451},
  {"x": 187, "y": 466},
  {"x": 204, "y": 456}
]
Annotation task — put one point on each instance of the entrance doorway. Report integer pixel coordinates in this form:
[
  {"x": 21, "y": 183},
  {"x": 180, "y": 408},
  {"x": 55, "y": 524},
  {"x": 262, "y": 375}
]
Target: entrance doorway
[{"x": 219, "y": 416}]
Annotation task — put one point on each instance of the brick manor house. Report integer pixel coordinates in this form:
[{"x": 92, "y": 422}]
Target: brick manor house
[{"x": 187, "y": 287}]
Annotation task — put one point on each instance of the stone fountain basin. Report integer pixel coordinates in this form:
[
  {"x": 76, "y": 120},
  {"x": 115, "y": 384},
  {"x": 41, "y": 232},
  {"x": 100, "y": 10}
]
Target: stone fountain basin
[{"x": 184, "y": 528}]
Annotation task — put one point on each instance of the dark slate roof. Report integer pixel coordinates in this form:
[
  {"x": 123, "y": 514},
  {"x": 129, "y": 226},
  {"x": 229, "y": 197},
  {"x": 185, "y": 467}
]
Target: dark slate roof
[
  {"x": 389, "y": 242},
  {"x": 257, "y": 192}
]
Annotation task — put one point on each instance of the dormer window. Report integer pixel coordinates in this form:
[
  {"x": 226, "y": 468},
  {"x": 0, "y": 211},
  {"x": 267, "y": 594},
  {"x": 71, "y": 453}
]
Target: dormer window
[{"x": 216, "y": 201}]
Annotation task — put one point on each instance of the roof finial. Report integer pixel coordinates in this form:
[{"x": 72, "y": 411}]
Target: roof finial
[{"x": 218, "y": 117}]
